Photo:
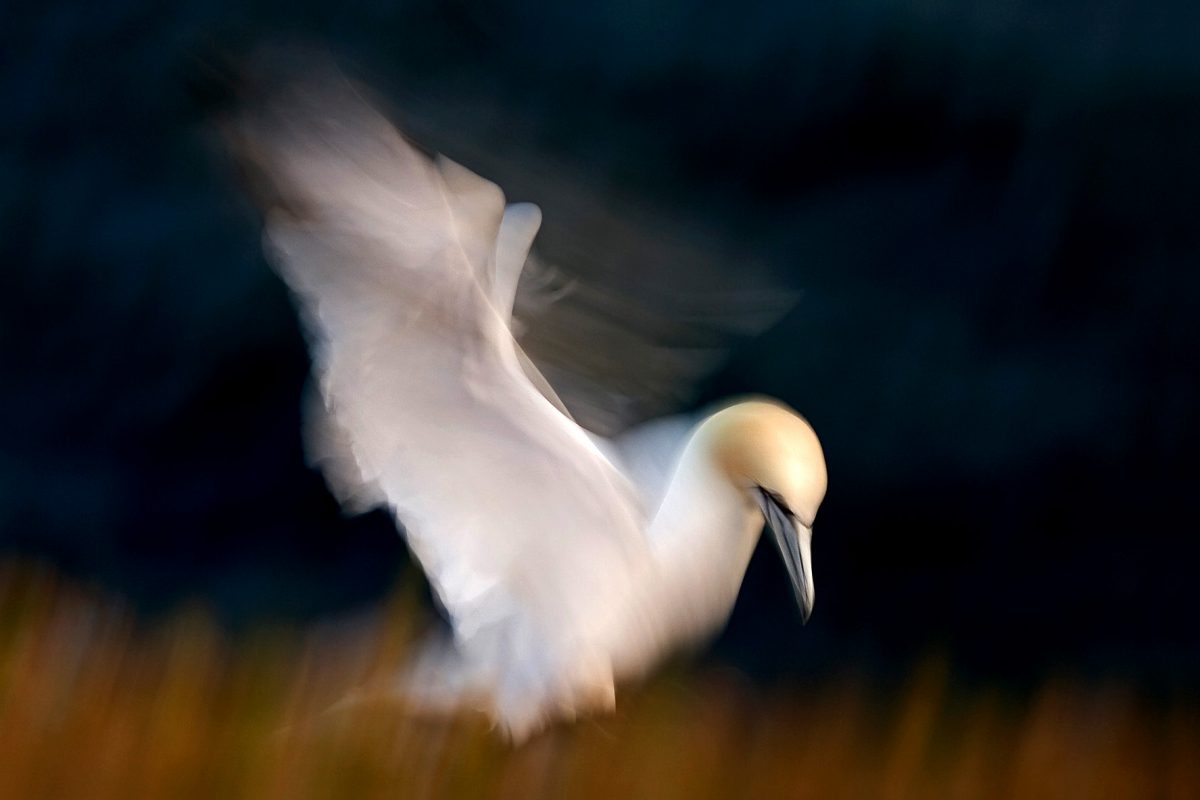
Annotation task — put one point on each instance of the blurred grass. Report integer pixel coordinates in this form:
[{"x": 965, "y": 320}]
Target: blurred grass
[{"x": 93, "y": 705}]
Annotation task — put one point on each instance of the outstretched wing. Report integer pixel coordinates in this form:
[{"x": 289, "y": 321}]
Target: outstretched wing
[
  {"x": 626, "y": 308},
  {"x": 405, "y": 268},
  {"x": 630, "y": 306}
]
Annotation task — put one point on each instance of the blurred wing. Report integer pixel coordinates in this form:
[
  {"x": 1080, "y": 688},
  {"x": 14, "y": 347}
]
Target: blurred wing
[
  {"x": 405, "y": 268},
  {"x": 628, "y": 309},
  {"x": 642, "y": 318}
]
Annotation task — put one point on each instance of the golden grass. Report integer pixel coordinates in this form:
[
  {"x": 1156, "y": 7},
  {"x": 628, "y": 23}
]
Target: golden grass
[{"x": 93, "y": 706}]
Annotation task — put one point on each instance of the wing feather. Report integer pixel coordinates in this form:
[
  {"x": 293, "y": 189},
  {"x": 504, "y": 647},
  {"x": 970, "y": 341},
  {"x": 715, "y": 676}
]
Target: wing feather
[{"x": 405, "y": 269}]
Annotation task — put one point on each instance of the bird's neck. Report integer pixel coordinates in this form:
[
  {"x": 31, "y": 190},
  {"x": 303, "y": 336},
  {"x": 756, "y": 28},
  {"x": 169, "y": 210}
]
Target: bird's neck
[{"x": 702, "y": 538}]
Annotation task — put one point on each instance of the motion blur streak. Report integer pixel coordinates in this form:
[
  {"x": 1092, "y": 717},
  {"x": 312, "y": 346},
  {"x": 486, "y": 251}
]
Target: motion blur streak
[
  {"x": 95, "y": 704},
  {"x": 565, "y": 561}
]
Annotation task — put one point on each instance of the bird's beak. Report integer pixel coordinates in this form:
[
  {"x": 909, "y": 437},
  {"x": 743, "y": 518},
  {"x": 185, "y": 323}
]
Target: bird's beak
[{"x": 795, "y": 545}]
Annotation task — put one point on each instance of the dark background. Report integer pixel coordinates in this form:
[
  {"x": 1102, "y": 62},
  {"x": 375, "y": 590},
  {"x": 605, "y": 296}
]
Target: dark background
[{"x": 989, "y": 209}]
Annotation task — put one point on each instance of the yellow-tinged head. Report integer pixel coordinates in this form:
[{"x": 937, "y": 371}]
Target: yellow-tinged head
[
  {"x": 763, "y": 443},
  {"x": 771, "y": 452}
]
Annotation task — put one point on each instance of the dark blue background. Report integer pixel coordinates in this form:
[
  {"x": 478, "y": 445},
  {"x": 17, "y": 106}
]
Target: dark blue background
[{"x": 990, "y": 208}]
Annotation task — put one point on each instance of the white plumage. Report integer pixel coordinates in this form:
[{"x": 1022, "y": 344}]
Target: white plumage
[{"x": 564, "y": 561}]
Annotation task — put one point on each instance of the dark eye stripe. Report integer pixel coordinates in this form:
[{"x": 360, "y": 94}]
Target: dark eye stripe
[{"x": 777, "y": 500}]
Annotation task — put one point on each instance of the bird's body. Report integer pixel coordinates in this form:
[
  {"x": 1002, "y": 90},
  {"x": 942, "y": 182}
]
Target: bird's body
[{"x": 565, "y": 563}]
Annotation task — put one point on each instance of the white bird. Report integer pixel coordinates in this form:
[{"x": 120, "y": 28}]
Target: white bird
[{"x": 565, "y": 562}]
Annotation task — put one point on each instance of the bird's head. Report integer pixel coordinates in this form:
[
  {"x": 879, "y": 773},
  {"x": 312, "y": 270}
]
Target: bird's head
[{"x": 772, "y": 454}]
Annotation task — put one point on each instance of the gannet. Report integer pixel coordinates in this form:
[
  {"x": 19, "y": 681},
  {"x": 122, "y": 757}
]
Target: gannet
[{"x": 565, "y": 562}]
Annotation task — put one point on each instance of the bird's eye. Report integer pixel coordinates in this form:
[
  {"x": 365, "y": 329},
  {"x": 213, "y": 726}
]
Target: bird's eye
[{"x": 777, "y": 499}]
